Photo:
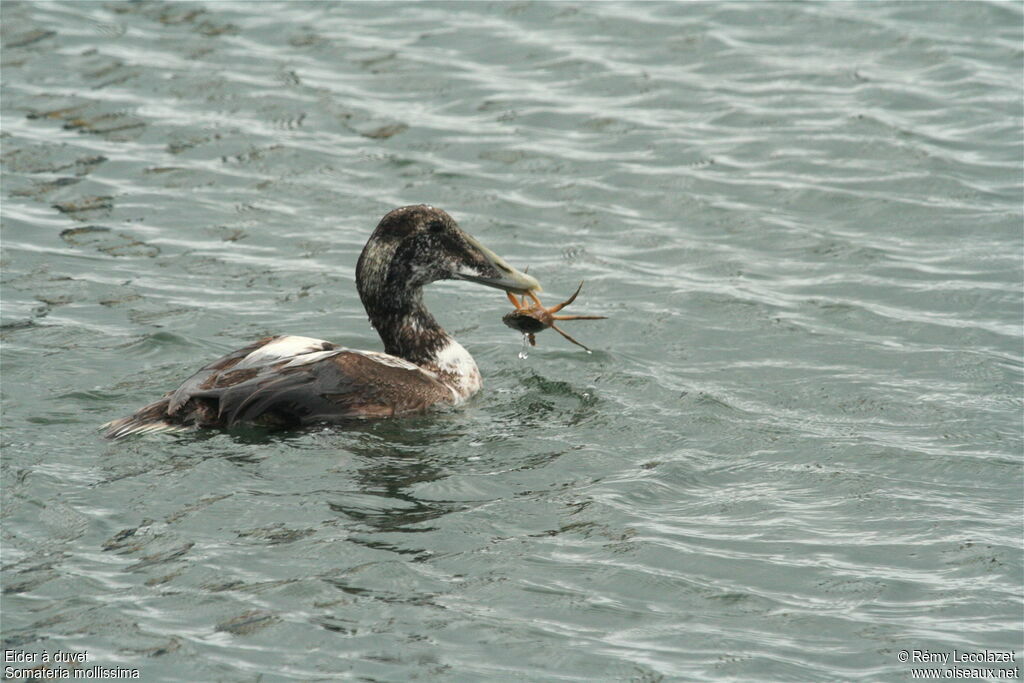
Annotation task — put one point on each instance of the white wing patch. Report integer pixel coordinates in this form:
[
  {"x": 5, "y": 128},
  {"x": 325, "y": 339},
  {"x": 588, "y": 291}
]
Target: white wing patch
[
  {"x": 304, "y": 350},
  {"x": 281, "y": 349},
  {"x": 452, "y": 365},
  {"x": 312, "y": 357},
  {"x": 387, "y": 359}
]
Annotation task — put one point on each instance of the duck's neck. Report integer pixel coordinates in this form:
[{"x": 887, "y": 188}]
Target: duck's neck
[
  {"x": 409, "y": 331},
  {"x": 406, "y": 326},
  {"x": 396, "y": 311}
]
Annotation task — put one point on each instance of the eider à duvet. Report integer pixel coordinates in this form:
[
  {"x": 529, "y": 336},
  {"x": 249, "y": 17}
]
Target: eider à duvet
[{"x": 290, "y": 381}]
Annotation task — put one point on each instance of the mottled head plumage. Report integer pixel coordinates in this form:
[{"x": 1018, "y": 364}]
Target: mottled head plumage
[
  {"x": 399, "y": 223},
  {"x": 411, "y": 247},
  {"x": 395, "y": 262}
]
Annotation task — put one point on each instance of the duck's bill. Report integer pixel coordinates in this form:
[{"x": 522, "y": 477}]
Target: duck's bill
[{"x": 491, "y": 270}]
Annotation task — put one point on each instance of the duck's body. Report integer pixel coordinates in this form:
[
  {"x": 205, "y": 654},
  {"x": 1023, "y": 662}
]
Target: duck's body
[{"x": 290, "y": 381}]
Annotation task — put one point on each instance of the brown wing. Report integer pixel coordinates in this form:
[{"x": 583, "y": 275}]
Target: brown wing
[
  {"x": 209, "y": 374},
  {"x": 344, "y": 385}
]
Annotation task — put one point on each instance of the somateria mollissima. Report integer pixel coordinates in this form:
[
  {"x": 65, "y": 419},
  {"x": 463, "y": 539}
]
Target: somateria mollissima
[{"x": 290, "y": 381}]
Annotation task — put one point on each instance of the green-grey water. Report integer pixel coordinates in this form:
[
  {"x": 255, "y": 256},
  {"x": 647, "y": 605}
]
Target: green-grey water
[{"x": 794, "y": 453}]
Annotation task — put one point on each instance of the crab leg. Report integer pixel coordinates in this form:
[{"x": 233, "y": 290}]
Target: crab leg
[
  {"x": 556, "y": 309},
  {"x": 580, "y": 317},
  {"x": 555, "y": 328}
]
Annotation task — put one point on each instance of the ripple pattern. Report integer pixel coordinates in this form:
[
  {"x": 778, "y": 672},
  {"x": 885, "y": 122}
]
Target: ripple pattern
[{"x": 795, "y": 451}]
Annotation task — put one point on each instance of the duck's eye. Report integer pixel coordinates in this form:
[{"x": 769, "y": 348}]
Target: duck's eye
[{"x": 436, "y": 227}]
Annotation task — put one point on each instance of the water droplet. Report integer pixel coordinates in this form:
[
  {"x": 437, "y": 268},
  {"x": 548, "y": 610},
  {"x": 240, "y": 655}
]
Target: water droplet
[
  {"x": 524, "y": 352},
  {"x": 589, "y": 352}
]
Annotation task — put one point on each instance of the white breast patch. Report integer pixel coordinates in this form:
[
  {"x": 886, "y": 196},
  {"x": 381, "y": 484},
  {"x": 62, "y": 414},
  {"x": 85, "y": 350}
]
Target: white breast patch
[{"x": 456, "y": 368}]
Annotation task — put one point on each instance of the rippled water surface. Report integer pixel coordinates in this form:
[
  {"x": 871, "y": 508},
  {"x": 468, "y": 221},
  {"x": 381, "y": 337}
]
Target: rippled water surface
[{"x": 795, "y": 450}]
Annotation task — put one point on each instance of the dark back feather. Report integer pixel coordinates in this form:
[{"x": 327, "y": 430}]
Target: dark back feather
[{"x": 346, "y": 385}]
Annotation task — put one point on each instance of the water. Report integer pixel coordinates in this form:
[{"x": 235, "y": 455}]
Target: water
[{"x": 795, "y": 451}]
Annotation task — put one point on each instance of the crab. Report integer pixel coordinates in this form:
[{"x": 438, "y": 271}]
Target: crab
[{"x": 531, "y": 318}]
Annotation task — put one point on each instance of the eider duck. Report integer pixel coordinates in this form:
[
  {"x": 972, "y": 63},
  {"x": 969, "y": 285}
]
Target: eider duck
[{"x": 290, "y": 381}]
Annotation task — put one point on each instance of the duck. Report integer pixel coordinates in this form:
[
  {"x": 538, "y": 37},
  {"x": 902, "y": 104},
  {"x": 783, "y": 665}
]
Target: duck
[{"x": 289, "y": 381}]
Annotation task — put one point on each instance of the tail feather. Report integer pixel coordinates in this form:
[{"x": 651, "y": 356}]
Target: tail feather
[{"x": 149, "y": 420}]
